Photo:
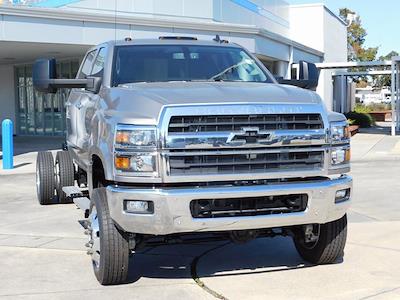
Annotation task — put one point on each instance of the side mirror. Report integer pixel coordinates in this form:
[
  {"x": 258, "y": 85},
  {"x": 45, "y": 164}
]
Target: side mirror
[
  {"x": 45, "y": 78},
  {"x": 306, "y": 76},
  {"x": 309, "y": 72},
  {"x": 44, "y": 70}
]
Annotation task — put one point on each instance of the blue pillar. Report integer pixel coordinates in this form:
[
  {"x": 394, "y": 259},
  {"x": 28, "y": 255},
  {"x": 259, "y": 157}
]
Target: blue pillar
[{"x": 8, "y": 147}]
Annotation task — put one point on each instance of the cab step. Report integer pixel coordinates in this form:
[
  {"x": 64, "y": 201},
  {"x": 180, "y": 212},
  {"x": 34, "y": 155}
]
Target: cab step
[{"x": 78, "y": 196}]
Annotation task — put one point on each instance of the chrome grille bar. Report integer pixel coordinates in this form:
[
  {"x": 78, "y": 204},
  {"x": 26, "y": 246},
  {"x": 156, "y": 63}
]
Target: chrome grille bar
[{"x": 217, "y": 123}]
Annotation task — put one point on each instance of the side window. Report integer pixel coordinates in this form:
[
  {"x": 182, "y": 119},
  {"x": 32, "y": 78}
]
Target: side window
[
  {"x": 98, "y": 65},
  {"x": 87, "y": 64}
]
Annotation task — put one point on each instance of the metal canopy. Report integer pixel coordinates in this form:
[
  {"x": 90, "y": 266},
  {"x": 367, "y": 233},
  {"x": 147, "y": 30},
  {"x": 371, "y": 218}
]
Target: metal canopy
[{"x": 379, "y": 69}]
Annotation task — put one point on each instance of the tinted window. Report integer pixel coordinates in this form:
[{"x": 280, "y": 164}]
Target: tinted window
[
  {"x": 158, "y": 63},
  {"x": 98, "y": 65},
  {"x": 87, "y": 65}
]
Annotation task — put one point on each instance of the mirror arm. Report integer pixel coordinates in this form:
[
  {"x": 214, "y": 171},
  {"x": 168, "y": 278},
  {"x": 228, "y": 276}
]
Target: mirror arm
[
  {"x": 71, "y": 83},
  {"x": 299, "y": 83}
]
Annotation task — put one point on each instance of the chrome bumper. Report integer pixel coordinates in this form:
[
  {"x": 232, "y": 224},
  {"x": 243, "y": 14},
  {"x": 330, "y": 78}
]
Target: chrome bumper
[{"x": 172, "y": 207}]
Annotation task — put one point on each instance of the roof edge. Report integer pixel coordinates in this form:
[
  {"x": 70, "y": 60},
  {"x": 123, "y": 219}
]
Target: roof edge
[{"x": 62, "y": 14}]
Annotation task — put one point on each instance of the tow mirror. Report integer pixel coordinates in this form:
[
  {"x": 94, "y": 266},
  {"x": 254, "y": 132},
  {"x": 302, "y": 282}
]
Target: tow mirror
[
  {"x": 306, "y": 76},
  {"x": 45, "y": 78},
  {"x": 309, "y": 73}
]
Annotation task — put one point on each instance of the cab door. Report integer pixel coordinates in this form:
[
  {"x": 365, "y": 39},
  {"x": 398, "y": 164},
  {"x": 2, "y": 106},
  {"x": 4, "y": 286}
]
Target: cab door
[
  {"x": 86, "y": 108},
  {"x": 74, "y": 106}
]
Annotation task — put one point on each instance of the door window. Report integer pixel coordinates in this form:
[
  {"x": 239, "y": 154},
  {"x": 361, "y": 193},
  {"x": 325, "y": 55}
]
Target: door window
[
  {"x": 98, "y": 65},
  {"x": 87, "y": 64}
]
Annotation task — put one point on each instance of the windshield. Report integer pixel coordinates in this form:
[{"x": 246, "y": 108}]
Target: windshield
[{"x": 161, "y": 63}]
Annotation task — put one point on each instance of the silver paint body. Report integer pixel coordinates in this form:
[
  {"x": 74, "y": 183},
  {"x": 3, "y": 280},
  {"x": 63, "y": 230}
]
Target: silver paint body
[{"x": 93, "y": 119}]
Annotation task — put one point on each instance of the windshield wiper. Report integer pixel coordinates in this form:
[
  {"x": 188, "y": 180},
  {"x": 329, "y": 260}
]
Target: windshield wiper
[{"x": 219, "y": 76}]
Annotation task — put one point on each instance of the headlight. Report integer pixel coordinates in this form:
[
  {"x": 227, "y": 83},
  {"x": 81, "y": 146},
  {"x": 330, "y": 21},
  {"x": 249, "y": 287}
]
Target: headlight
[
  {"x": 136, "y": 150},
  {"x": 340, "y": 132},
  {"x": 144, "y": 163},
  {"x": 135, "y": 136}
]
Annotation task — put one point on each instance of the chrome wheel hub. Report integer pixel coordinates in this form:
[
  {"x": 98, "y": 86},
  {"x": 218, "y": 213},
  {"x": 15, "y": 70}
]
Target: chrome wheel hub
[{"x": 94, "y": 238}]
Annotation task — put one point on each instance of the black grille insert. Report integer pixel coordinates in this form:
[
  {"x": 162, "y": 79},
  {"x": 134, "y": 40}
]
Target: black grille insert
[
  {"x": 251, "y": 206},
  {"x": 217, "y": 123},
  {"x": 207, "y": 164}
]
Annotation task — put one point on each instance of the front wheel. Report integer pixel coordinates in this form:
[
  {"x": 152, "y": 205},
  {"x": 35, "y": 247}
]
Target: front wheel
[
  {"x": 328, "y": 243},
  {"x": 109, "y": 247}
]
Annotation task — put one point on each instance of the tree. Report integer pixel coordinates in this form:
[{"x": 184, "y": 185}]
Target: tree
[
  {"x": 356, "y": 35},
  {"x": 385, "y": 80}
]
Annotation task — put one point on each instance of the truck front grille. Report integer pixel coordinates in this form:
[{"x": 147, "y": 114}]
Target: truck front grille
[
  {"x": 252, "y": 206},
  {"x": 217, "y": 123},
  {"x": 243, "y": 161}
]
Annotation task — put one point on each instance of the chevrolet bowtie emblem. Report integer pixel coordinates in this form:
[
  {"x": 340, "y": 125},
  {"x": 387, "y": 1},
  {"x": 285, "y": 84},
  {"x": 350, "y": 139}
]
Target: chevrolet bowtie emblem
[{"x": 248, "y": 135}]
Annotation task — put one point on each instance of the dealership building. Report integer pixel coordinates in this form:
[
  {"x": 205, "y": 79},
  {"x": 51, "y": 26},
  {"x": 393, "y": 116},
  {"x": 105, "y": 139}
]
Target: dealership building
[{"x": 278, "y": 33}]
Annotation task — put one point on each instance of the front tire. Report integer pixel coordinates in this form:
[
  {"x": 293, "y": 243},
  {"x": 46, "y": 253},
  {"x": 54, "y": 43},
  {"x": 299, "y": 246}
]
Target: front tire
[
  {"x": 109, "y": 246},
  {"x": 45, "y": 184},
  {"x": 330, "y": 244}
]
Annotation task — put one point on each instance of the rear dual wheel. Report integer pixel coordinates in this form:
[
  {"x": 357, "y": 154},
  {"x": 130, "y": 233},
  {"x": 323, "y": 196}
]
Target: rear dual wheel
[
  {"x": 45, "y": 181},
  {"x": 52, "y": 177},
  {"x": 64, "y": 174}
]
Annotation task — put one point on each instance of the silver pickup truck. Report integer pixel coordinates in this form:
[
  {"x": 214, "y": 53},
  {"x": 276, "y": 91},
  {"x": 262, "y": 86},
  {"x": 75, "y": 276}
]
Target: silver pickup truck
[{"x": 176, "y": 140}]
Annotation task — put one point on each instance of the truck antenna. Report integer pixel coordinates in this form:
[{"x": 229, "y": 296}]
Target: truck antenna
[{"x": 115, "y": 21}]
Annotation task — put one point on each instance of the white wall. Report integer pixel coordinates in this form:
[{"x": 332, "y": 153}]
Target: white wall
[
  {"x": 172, "y": 8},
  {"x": 7, "y": 93},
  {"x": 335, "y": 48},
  {"x": 272, "y": 15},
  {"x": 316, "y": 26},
  {"x": 306, "y": 25}
]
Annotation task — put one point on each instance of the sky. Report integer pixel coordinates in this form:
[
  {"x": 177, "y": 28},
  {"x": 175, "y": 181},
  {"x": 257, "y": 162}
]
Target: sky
[{"x": 381, "y": 20}]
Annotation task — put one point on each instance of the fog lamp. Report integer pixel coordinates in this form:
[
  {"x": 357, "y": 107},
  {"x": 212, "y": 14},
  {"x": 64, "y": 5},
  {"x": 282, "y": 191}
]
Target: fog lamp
[
  {"x": 342, "y": 195},
  {"x": 139, "y": 207}
]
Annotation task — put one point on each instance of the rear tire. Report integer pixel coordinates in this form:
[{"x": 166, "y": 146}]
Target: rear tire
[
  {"x": 65, "y": 175},
  {"x": 109, "y": 246},
  {"x": 45, "y": 184},
  {"x": 330, "y": 245}
]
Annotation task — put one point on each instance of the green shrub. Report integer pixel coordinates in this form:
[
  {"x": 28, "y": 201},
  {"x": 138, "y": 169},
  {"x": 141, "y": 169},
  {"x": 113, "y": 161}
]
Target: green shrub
[
  {"x": 362, "y": 109},
  {"x": 351, "y": 122},
  {"x": 364, "y": 120}
]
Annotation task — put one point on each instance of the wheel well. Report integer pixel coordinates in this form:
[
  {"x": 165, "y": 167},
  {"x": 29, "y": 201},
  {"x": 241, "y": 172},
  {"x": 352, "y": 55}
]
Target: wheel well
[{"x": 98, "y": 174}]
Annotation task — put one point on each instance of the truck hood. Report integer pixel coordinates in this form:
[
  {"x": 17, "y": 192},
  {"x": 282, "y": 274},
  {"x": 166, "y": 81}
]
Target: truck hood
[{"x": 145, "y": 101}]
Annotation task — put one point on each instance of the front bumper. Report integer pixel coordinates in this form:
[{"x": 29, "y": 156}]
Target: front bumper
[{"x": 172, "y": 207}]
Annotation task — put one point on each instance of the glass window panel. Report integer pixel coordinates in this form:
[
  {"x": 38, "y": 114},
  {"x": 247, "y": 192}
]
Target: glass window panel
[
  {"x": 98, "y": 65},
  {"x": 75, "y": 68},
  {"x": 39, "y": 113},
  {"x": 87, "y": 65}
]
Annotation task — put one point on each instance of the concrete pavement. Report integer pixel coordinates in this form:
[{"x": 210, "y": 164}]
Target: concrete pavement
[{"x": 42, "y": 252}]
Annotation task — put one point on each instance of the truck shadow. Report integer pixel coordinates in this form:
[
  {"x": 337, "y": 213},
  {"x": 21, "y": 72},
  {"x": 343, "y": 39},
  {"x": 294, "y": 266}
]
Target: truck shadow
[{"x": 217, "y": 259}]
